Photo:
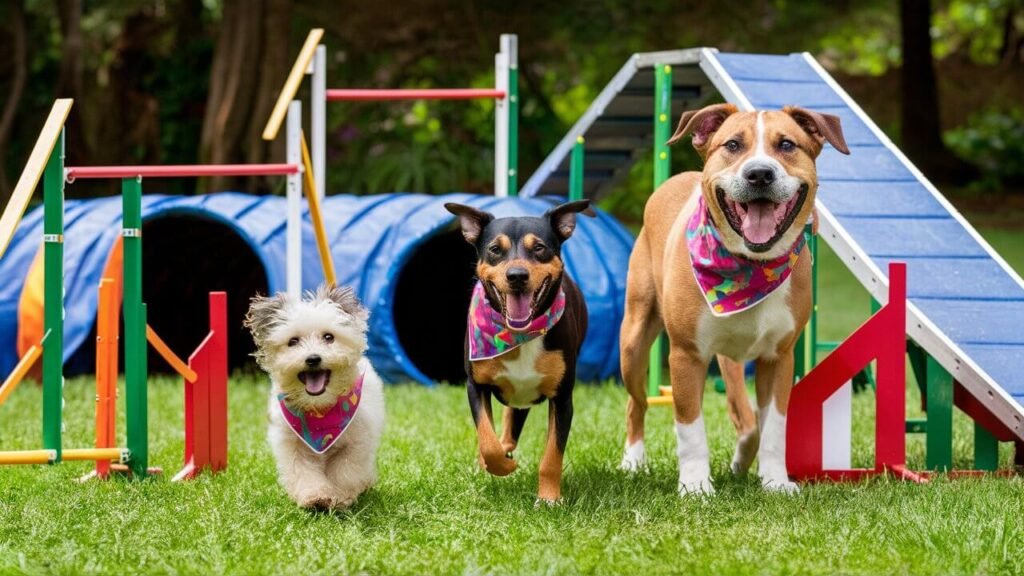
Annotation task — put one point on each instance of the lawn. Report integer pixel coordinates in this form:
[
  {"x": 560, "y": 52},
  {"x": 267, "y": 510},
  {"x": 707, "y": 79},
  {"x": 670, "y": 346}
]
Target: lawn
[{"x": 433, "y": 511}]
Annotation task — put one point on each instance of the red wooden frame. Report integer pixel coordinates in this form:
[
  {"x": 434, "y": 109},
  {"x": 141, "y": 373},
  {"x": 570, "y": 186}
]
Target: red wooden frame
[{"x": 362, "y": 94}]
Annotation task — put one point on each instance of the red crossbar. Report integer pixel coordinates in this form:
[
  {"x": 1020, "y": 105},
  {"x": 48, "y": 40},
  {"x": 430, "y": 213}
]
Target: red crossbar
[
  {"x": 179, "y": 171},
  {"x": 415, "y": 94}
]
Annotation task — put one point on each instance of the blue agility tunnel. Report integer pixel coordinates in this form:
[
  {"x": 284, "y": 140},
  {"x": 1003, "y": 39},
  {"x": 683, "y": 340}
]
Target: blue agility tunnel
[{"x": 402, "y": 253}]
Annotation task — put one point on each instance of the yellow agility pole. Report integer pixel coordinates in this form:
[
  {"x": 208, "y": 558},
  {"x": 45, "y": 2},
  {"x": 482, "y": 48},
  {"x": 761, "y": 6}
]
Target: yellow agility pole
[
  {"x": 33, "y": 171},
  {"x": 291, "y": 85},
  {"x": 313, "y": 197},
  {"x": 24, "y": 365},
  {"x": 167, "y": 354},
  {"x": 92, "y": 454},
  {"x": 28, "y": 457}
]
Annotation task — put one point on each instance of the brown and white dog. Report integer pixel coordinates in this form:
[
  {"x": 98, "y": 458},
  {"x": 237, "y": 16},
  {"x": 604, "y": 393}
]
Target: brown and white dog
[{"x": 758, "y": 185}]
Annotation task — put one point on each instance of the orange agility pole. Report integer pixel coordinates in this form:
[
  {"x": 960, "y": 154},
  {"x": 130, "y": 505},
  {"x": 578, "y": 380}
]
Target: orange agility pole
[
  {"x": 106, "y": 371},
  {"x": 167, "y": 354},
  {"x": 313, "y": 197}
]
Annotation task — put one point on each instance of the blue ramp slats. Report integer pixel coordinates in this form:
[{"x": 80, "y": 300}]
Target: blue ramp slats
[
  {"x": 855, "y": 199},
  {"x": 1002, "y": 363},
  {"x": 913, "y": 238},
  {"x": 760, "y": 67},
  {"x": 953, "y": 280},
  {"x": 772, "y": 94},
  {"x": 864, "y": 164},
  {"x": 957, "y": 279}
]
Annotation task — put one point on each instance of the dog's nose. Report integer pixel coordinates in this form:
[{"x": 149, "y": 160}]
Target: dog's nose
[
  {"x": 313, "y": 361},
  {"x": 759, "y": 175},
  {"x": 517, "y": 276}
]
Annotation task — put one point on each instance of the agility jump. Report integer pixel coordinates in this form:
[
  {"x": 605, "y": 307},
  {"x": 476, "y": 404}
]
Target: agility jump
[{"x": 205, "y": 373}]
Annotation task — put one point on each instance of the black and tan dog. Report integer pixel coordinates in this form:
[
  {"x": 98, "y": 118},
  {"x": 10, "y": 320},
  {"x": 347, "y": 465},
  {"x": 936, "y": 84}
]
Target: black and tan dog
[{"x": 526, "y": 325}]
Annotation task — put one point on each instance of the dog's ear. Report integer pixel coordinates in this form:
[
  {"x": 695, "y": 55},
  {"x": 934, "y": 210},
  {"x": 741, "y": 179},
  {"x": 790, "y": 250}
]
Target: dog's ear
[
  {"x": 264, "y": 314},
  {"x": 346, "y": 299},
  {"x": 563, "y": 217},
  {"x": 821, "y": 127},
  {"x": 703, "y": 124},
  {"x": 471, "y": 220}
]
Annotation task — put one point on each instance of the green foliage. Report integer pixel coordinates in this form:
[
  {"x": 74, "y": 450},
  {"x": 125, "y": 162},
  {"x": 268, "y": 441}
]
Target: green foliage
[
  {"x": 974, "y": 27},
  {"x": 994, "y": 141}
]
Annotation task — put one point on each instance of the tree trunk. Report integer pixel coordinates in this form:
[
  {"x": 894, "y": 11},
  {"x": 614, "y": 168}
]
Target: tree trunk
[
  {"x": 250, "y": 61},
  {"x": 921, "y": 125},
  {"x": 69, "y": 82},
  {"x": 18, "y": 56}
]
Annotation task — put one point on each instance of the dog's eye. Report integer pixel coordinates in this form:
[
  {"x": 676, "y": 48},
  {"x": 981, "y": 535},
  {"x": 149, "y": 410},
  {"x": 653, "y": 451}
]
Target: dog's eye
[
  {"x": 539, "y": 248},
  {"x": 293, "y": 342},
  {"x": 787, "y": 146},
  {"x": 495, "y": 250},
  {"x": 328, "y": 337},
  {"x": 732, "y": 145}
]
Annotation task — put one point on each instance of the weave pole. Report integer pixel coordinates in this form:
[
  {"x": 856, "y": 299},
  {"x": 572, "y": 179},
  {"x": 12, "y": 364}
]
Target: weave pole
[
  {"x": 662, "y": 170},
  {"x": 135, "y": 370},
  {"x": 53, "y": 298}
]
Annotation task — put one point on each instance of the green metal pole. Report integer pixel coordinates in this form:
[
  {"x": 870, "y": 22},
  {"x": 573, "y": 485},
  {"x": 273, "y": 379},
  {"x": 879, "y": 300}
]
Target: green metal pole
[
  {"x": 662, "y": 170},
  {"x": 986, "y": 449},
  {"x": 939, "y": 442},
  {"x": 576, "y": 171},
  {"x": 134, "y": 327},
  {"x": 513, "y": 127},
  {"x": 53, "y": 298}
]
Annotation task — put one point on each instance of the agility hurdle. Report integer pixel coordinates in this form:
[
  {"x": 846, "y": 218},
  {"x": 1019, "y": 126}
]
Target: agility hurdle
[
  {"x": 312, "y": 60},
  {"x": 205, "y": 374}
]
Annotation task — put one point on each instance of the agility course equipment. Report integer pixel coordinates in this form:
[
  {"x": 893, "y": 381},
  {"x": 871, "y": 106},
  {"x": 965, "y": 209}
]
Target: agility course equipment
[
  {"x": 206, "y": 372},
  {"x": 874, "y": 208},
  {"x": 399, "y": 252},
  {"x": 312, "y": 60}
]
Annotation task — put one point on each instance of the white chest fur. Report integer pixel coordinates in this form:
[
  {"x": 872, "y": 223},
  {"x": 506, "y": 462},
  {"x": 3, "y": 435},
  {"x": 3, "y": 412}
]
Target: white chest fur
[
  {"x": 753, "y": 333},
  {"x": 522, "y": 376}
]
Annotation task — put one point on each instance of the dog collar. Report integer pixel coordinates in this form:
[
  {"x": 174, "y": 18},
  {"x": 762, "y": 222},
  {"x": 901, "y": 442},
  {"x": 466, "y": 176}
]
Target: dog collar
[
  {"x": 731, "y": 283},
  {"x": 320, "y": 430},
  {"x": 488, "y": 335}
]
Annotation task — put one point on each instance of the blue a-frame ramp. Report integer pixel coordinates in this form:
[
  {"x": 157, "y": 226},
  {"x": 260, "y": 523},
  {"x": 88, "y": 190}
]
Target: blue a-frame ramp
[{"x": 966, "y": 305}]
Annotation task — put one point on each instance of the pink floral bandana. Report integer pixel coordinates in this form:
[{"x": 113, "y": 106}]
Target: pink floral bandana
[
  {"x": 488, "y": 335},
  {"x": 320, "y": 431},
  {"x": 732, "y": 283}
]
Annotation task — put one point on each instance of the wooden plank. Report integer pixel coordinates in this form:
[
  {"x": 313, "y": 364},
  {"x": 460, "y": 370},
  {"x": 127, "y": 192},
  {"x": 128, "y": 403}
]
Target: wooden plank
[
  {"x": 291, "y": 85},
  {"x": 33, "y": 171}
]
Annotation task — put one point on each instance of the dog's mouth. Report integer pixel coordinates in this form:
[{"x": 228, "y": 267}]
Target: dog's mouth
[
  {"x": 315, "y": 381},
  {"x": 520, "y": 308},
  {"x": 761, "y": 222}
]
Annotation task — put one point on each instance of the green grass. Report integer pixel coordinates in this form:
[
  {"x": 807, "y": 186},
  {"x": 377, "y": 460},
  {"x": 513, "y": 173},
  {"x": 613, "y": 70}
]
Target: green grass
[{"x": 433, "y": 511}]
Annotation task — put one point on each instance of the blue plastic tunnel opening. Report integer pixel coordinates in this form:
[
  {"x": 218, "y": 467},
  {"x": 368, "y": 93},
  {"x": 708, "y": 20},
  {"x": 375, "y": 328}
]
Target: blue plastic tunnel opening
[
  {"x": 185, "y": 257},
  {"x": 431, "y": 301}
]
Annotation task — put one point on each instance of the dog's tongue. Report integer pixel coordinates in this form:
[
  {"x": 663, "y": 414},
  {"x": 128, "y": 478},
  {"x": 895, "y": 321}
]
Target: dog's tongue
[
  {"x": 518, "y": 308},
  {"x": 315, "y": 381},
  {"x": 760, "y": 221}
]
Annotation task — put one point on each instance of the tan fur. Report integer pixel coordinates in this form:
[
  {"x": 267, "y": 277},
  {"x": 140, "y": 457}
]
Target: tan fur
[
  {"x": 662, "y": 291},
  {"x": 494, "y": 371},
  {"x": 550, "y": 489}
]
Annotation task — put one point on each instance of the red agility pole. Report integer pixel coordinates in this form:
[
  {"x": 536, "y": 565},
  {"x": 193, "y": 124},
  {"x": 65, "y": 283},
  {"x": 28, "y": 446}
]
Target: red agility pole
[
  {"x": 73, "y": 173},
  {"x": 414, "y": 94}
]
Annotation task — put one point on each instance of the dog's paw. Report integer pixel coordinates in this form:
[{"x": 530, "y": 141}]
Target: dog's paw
[
  {"x": 502, "y": 465},
  {"x": 542, "y": 502},
  {"x": 784, "y": 486},
  {"x": 746, "y": 449},
  {"x": 635, "y": 458},
  {"x": 316, "y": 502},
  {"x": 696, "y": 488}
]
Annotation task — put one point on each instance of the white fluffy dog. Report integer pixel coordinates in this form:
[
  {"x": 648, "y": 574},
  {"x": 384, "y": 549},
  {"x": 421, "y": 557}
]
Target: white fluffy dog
[{"x": 326, "y": 402}]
